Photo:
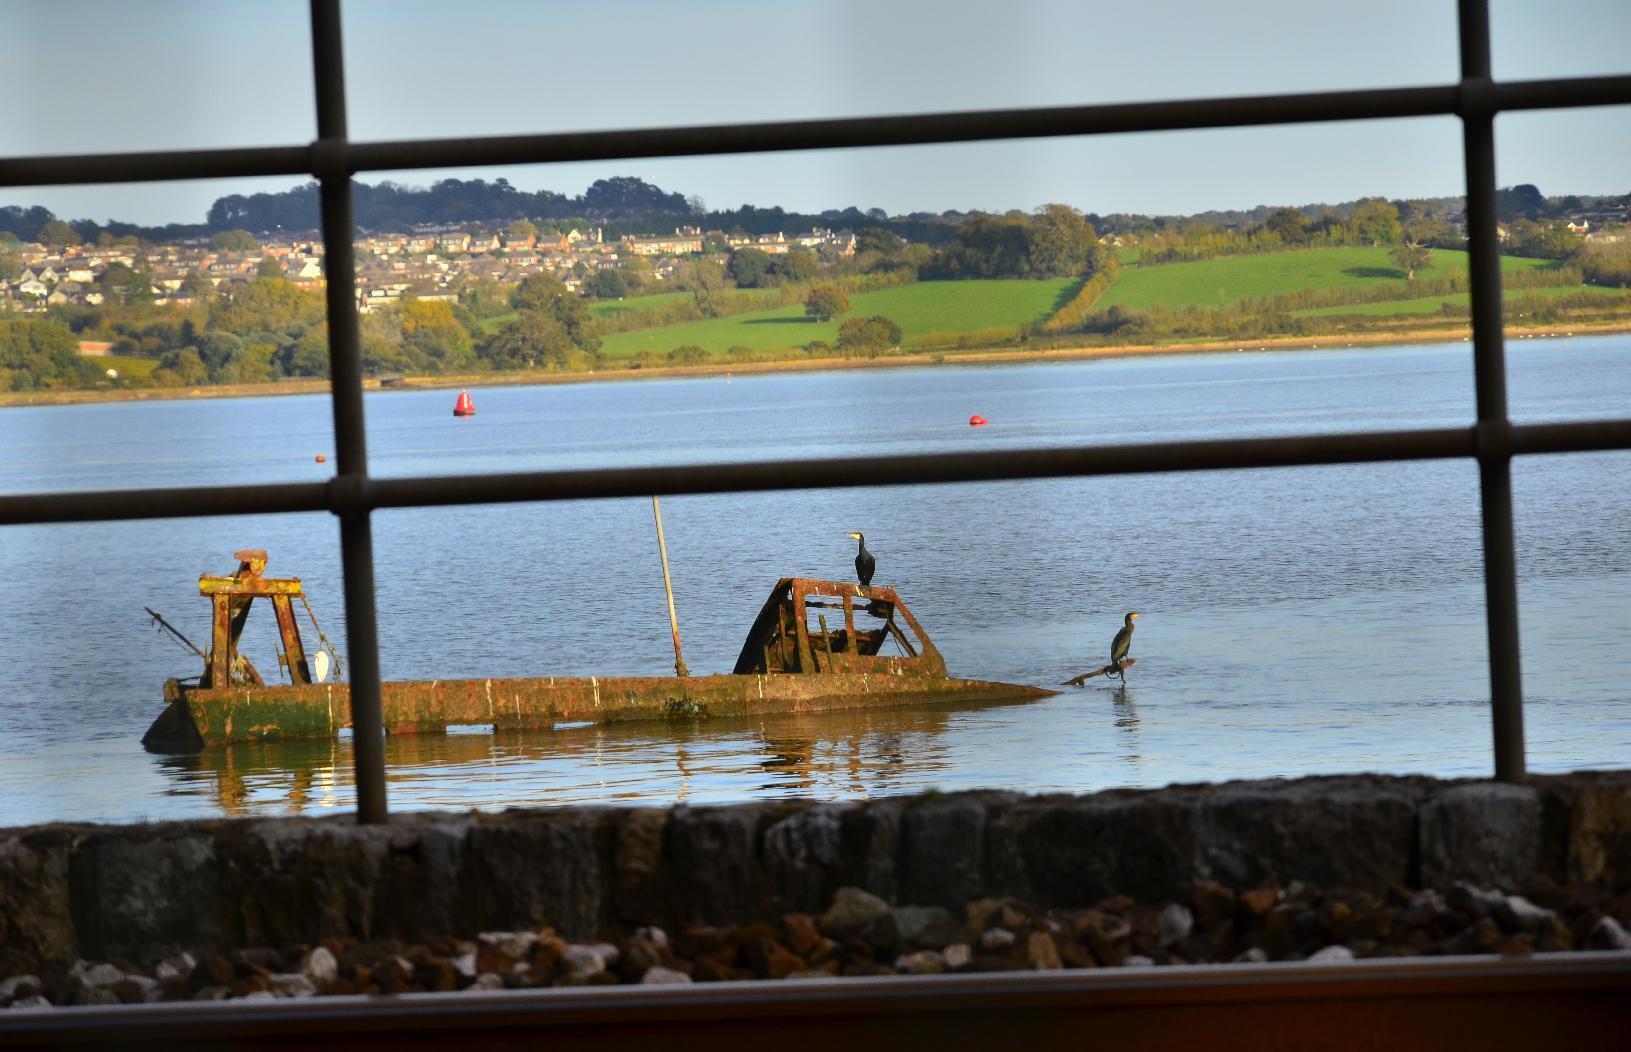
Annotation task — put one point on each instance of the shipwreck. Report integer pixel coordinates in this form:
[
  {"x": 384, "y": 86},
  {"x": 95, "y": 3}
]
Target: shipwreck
[{"x": 816, "y": 646}]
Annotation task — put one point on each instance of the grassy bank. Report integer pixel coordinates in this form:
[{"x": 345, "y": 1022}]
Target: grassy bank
[
  {"x": 1217, "y": 282},
  {"x": 921, "y": 310}
]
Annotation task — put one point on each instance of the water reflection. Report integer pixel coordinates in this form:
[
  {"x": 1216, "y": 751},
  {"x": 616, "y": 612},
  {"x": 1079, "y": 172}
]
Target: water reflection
[
  {"x": 827, "y": 756},
  {"x": 1126, "y": 721}
]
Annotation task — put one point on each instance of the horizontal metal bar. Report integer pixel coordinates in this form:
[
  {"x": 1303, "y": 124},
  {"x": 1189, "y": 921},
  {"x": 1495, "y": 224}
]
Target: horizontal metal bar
[
  {"x": 996, "y": 465},
  {"x": 166, "y": 503},
  {"x": 899, "y": 130},
  {"x": 348, "y": 495},
  {"x": 1564, "y": 1000},
  {"x": 225, "y": 163}
]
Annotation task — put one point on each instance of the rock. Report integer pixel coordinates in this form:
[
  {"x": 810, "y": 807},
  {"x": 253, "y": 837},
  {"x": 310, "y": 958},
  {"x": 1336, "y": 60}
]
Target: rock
[
  {"x": 1213, "y": 903},
  {"x": 923, "y": 962},
  {"x": 259, "y": 995},
  {"x": 912, "y": 922},
  {"x": 658, "y": 975},
  {"x": 100, "y": 975},
  {"x": 31, "y": 1001},
  {"x": 213, "y": 970},
  {"x": 1488, "y": 833},
  {"x": 1136, "y": 960},
  {"x": 1041, "y": 953},
  {"x": 320, "y": 967},
  {"x": 488, "y": 981},
  {"x": 981, "y": 911},
  {"x": 802, "y": 932},
  {"x": 1280, "y": 930},
  {"x": 803, "y": 855},
  {"x": 1175, "y": 924},
  {"x": 394, "y": 975},
  {"x": 493, "y": 958},
  {"x": 714, "y": 849},
  {"x": 852, "y": 912},
  {"x": 1253, "y": 955},
  {"x": 19, "y": 986},
  {"x": 212, "y": 993},
  {"x": 1424, "y": 908},
  {"x": 640, "y": 955},
  {"x": 957, "y": 956},
  {"x": 1259, "y": 901},
  {"x": 776, "y": 961},
  {"x": 1514, "y": 913},
  {"x": 654, "y": 935},
  {"x": 1473, "y": 900},
  {"x": 465, "y": 965},
  {"x": 996, "y": 939},
  {"x": 175, "y": 968},
  {"x": 582, "y": 961},
  {"x": 262, "y": 960},
  {"x": 942, "y": 850},
  {"x": 293, "y": 984},
  {"x": 1607, "y": 934},
  {"x": 96, "y": 995},
  {"x": 1331, "y": 955},
  {"x": 517, "y": 945}
]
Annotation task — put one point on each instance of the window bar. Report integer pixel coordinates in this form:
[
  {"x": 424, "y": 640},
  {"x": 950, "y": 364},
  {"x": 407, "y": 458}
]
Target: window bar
[
  {"x": 351, "y": 449},
  {"x": 1489, "y": 374}
]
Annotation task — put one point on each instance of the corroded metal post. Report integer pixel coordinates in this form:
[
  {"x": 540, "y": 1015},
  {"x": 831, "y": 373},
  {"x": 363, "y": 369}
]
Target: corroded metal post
[
  {"x": 349, "y": 487},
  {"x": 668, "y": 586},
  {"x": 1494, "y": 430}
]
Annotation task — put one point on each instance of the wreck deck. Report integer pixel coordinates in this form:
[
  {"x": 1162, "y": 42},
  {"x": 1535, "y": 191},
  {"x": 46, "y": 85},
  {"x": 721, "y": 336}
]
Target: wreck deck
[{"x": 198, "y": 717}]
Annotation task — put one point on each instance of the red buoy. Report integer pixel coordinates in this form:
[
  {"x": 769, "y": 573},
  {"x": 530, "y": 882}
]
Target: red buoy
[
  {"x": 321, "y": 459},
  {"x": 977, "y": 421},
  {"x": 464, "y": 406}
]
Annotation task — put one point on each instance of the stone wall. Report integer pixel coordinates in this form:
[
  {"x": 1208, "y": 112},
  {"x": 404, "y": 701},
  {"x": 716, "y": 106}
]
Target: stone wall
[{"x": 137, "y": 892}]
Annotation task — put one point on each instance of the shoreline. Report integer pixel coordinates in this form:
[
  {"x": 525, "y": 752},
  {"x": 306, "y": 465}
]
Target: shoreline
[{"x": 989, "y": 356}]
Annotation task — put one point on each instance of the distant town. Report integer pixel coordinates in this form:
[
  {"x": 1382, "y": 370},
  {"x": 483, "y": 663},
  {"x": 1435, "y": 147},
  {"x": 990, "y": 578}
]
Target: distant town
[{"x": 618, "y": 278}]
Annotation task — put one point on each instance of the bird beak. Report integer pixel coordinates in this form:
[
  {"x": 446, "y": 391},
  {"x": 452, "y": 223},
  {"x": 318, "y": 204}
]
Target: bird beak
[{"x": 857, "y": 536}]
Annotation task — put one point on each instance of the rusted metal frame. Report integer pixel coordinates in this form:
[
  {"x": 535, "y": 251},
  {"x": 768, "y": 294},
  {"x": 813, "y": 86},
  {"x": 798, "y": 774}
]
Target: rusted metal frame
[
  {"x": 832, "y": 133},
  {"x": 250, "y": 586},
  {"x": 345, "y": 495},
  {"x": 350, "y": 437},
  {"x": 1494, "y": 426},
  {"x": 1513, "y": 1001},
  {"x": 294, "y": 651},
  {"x": 219, "y": 668}
]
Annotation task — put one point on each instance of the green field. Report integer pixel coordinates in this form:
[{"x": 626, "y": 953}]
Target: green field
[
  {"x": 925, "y": 307},
  {"x": 135, "y": 369},
  {"x": 1215, "y": 282},
  {"x": 607, "y": 308}
]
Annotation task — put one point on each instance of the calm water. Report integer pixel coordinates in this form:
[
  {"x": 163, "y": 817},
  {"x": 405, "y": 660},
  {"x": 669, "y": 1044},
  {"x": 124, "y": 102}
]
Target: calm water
[{"x": 1296, "y": 621}]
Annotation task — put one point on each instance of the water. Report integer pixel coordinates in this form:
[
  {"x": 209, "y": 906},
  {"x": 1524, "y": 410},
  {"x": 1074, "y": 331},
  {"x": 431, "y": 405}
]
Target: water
[{"x": 1296, "y": 620}]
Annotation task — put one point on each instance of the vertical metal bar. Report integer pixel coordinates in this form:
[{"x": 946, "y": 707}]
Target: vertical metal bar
[
  {"x": 1489, "y": 375},
  {"x": 351, "y": 450}
]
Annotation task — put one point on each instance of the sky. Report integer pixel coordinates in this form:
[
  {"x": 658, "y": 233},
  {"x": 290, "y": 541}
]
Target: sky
[{"x": 106, "y": 75}]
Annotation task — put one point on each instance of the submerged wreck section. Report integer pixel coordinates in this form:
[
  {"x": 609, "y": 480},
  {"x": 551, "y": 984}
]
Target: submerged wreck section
[{"x": 815, "y": 646}]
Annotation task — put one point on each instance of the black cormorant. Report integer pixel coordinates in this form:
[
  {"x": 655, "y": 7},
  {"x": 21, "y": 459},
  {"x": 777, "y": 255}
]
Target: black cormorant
[
  {"x": 865, "y": 564},
  {"x": 1121, "y": 644}
]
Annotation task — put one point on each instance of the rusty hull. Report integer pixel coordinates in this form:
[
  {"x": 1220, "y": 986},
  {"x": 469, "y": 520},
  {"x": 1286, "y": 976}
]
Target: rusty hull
[{"x": 197, "y": 717}]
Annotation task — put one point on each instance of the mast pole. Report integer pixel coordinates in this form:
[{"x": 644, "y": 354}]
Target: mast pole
[{"x": 668, "y": 586}]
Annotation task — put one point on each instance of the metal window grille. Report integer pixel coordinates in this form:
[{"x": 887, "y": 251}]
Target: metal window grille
[{"x": 352, "y": 496}]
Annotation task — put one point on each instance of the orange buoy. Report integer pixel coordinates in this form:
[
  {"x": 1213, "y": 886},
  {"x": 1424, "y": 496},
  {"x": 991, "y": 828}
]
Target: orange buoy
[
  {"x": 977, "y": 421},
  {"x": 464, "y": 406},
  {"x": 321, "y": 459}
]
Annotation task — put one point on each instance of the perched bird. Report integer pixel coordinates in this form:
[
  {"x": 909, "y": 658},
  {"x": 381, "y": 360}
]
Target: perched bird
[
  {"x": 1121, "y": 644},
  {"x": 865, "y": 564}
]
